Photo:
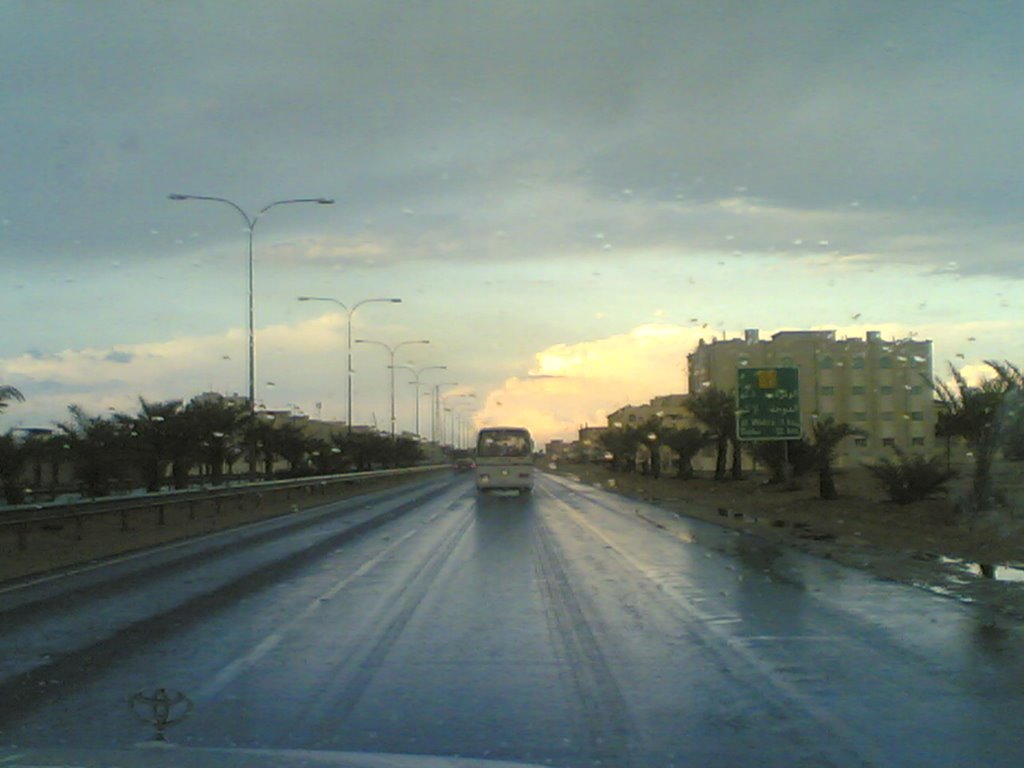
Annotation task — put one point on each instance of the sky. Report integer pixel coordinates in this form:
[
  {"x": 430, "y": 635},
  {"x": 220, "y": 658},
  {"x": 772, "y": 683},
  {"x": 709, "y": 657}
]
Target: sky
[{"x": 566, "y": 196}]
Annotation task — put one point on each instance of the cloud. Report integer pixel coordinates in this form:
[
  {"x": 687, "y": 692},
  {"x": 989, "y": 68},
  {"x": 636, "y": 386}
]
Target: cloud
[
  {"x": 570, "y": 385},
  {"x": 450, "y": 110},
  {"x": 101, "y": 380}
]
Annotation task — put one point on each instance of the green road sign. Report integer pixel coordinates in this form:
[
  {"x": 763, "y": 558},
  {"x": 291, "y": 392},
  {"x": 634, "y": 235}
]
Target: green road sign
[{"x": 768, "y": 404}]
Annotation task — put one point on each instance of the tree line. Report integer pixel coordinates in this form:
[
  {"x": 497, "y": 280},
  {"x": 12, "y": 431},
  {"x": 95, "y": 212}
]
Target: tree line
[
  {"x": 988, "y": 417},
  {"x": 173, "y": 443}
]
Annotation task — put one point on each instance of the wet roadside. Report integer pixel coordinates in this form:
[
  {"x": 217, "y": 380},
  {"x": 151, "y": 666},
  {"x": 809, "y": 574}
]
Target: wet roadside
[{"x": 932, "y": 558}]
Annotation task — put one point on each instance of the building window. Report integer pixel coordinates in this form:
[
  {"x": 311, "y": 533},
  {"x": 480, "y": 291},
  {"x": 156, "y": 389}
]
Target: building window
[
  {"x": 885, "y": 362},
  {"x": 885, "y": 389},
  {"x": 916, "y": 389},
  {"x": 917, "y": 415},
  {"x": 917, "y": 441},
  {"x": 828, "y": 390},
  {"x": 788, "y": 361},
  {"x": 826, "y": 362},
  {"x": 860, "y": 416},
  {"x": 857, "y": 389},
  {"x": 858, "y": 362},
  {"x": 861, "y": 442},
  {"x": 888, "y": 442},
  {"x": 887, "y": 416}
]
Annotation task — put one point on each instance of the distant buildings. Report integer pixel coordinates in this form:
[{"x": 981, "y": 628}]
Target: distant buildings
[
  {"x": 670, "y": 410},
  {"x": 880, "y": 386}
]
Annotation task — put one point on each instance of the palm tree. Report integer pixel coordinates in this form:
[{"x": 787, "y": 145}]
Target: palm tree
[
  {"x": 1010, "y": 374},
  {"x": 218, "y": 424},
  {"x": 972, "y": 412},
  {"x": 716, "y": 409},
  {"x": 13, "y": 460},
  {"x": 362, "y": 450},
  {"x": 620, "y": 442},
  {"x": 1012, "y": 415},
  {"x": 99, "y": 450},
  {"x": 154, "y": 431},
  {"x": 285, "y": 440},
  {"x": 8, "y": 392},
  {"x": 47, "y": 449},
  {"x": 828, "y": 433},
  {"x": 687, "y": 443}
]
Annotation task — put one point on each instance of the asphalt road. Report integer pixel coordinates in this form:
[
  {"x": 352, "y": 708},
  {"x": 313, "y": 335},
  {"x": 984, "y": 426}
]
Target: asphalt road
[{"x": 569, "y": 628}]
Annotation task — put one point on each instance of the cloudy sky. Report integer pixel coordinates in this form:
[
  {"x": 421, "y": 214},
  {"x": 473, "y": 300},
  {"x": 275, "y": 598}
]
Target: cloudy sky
[{"x": 565, "y": 195}]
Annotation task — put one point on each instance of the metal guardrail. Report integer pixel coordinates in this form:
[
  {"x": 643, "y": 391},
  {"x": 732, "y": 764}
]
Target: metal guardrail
[{"x": 22, "y": 518}]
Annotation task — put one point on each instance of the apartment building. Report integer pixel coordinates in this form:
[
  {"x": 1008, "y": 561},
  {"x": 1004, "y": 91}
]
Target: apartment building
[
  {"x": 670, "y": 410},
  {"x": 878, "y": 385}
]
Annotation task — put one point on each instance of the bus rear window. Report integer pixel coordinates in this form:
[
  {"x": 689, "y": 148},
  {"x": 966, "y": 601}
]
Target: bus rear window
[{"x": 504, "y": 442}]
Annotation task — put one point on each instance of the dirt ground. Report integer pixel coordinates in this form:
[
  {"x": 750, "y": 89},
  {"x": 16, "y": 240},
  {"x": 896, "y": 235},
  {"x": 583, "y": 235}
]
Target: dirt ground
[{"x": 927, "y": 544}]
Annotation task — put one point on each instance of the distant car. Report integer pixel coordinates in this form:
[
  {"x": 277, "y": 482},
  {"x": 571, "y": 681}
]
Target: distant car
[{"x": 464, "y": 465}]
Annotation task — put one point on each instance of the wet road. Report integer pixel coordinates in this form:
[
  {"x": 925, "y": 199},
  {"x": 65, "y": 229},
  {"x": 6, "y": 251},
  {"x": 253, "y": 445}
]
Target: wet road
[{"x": 570, "y": 628}]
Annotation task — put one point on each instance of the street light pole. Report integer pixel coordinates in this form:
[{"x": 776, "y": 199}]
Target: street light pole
[
  {"x": 391, "y": 367},
  {"x": 348, "y": 323},
  {"x": 250, "y": 223},
  {"x": 435, "y": 415},
  {"x": 417, "y": 374},
  {"x": 451, "y": 410}
]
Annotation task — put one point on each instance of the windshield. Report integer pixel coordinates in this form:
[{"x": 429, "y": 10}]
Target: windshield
[
  {"x": 567, "y": 382},
  {"x": 503, "y": 442}
]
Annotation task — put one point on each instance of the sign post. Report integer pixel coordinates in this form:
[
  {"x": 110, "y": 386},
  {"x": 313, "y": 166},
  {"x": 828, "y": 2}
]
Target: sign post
[{"x": 768, "y": 404}]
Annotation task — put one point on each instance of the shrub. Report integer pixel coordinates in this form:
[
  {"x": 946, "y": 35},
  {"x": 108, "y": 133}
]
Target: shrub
[{"x": 911, "y": 478}]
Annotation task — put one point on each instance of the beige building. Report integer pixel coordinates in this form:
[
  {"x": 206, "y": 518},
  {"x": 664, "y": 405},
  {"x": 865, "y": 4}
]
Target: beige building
[
  {"x": 880, "y": 386},
  {"x": 670, "y": 410}
]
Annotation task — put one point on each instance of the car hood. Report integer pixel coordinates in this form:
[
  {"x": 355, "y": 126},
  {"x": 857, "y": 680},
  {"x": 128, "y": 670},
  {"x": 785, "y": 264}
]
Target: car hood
[{"x": 156, "y": 755}]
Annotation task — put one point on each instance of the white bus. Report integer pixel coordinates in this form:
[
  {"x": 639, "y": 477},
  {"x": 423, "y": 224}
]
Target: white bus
[{"x": 504, "y": 459}]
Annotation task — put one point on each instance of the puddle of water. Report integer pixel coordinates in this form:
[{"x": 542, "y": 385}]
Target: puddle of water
[
  {"x": 996, "y": 572},
  {"x": 943, "y": 591}
]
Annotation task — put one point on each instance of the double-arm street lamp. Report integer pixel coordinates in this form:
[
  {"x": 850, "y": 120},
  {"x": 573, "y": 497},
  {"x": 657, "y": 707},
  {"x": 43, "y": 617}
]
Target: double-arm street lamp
[
  {"x": 458, "y": 427},
  {"x": 436, "y": 418},
  {"x": 417, "y": 372},
  {"x": 348, "y": 322},
  {"x": 391, "y": 367},
  {"x": 250, "y": 223},
  {"x": 451, "y": 412}
]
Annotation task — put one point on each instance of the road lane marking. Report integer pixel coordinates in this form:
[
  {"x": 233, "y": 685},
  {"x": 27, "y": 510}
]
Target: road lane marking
[
  {"x": 271, "y": 641},
  {"x": 850, "y": 743}
]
